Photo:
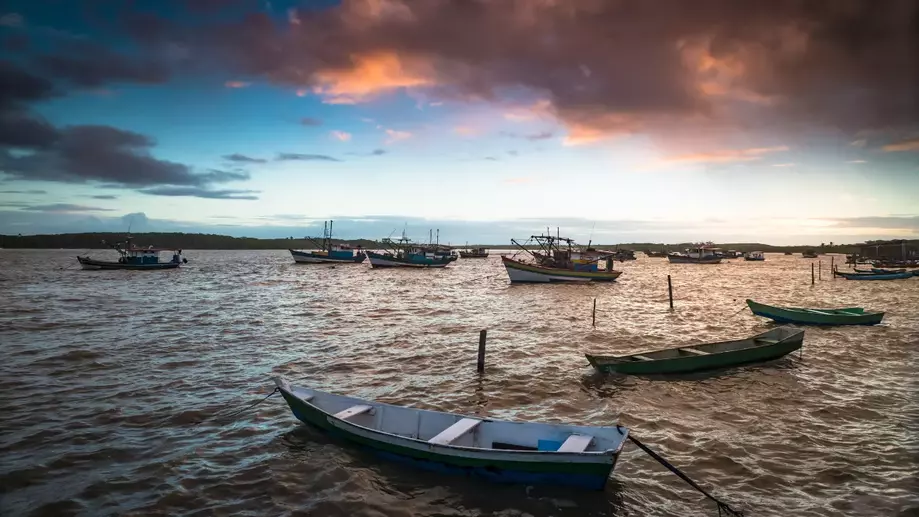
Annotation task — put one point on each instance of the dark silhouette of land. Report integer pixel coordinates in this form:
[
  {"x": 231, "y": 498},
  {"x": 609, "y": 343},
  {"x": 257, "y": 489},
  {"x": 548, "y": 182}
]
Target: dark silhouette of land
[{"x": 204, "y": 241}]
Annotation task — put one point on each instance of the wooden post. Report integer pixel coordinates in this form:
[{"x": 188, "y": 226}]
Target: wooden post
[
  {"x": 833, "y": 267},
  {"x": 670, "y": 291},
  {"x": 819, "y": 270},
  {"x": 480, "y": 366},
  {"x": 593, "y": 316},
  {"x": 812, "y": 273}
]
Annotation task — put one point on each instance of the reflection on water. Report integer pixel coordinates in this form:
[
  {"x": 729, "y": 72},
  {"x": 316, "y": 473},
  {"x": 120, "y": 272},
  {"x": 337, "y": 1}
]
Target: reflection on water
[{"x": 116, "y": 387}]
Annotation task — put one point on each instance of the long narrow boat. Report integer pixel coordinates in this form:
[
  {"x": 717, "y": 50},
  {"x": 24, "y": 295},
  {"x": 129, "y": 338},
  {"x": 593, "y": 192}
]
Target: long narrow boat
[
  {"x": 135, "y": 258},
  {"x": 763, "y": 347},
  {"x": 500, "y": 451},
  {"x": 803, "y": 316},
  {"x": 554, "y": 258},
  {"x": 874, "y": 276},
  {"x": 327, "y": 253}
]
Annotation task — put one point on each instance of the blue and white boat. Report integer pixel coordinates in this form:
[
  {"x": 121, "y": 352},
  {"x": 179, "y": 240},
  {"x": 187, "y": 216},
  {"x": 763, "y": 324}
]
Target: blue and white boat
[
  {"x": 403, "y": 253},
  {"x": 135, "y": 258},
  {"x": 327, "y": 253}
]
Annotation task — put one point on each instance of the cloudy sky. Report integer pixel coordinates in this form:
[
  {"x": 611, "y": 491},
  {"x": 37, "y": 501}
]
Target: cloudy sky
[{"x": 775, "y": 121}]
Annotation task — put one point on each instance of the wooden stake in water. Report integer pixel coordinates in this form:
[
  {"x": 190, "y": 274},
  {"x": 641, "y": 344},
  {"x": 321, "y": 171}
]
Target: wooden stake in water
[
  {"x": 480, "y": 366},
  {"x": 593, "y": 315},
  {"x": 833, "y": 267},
  {"x": 820, "y": 270},
  {"x": 670, "y": 291},
  {"x": 812, "y": 273}
]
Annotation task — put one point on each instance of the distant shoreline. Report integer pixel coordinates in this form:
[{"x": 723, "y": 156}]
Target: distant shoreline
[{"x": 202, "y": 241}]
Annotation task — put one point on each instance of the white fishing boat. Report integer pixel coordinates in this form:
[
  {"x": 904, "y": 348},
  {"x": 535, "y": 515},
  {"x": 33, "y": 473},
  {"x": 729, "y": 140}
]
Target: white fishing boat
[{"x": 500, "y": 451}]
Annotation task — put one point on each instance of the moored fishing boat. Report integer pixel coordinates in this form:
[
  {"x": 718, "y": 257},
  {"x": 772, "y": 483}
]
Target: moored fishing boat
[
  {"x": 656, "y": 254},
  {"x": 809, "y": 254},
  {"x": 700, "y": 255},
  {"x": 874, "y": 276},
  {"x": 327, "y": 252},
  {"x": 474, "y": 253},
  {"x": 763, "y": 347},
  {"x": 754, "y": 256},
  {"x": 403, "y": 253},
  {"x": 804, "y": 316},
  {"x": 499, "y": 451},
  {"x": 135, "y": 258},
  {"x": 559, "y": 259}
]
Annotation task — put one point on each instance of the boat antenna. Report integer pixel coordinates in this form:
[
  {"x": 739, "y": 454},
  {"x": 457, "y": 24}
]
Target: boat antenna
[{"x": 438, "y": 237}]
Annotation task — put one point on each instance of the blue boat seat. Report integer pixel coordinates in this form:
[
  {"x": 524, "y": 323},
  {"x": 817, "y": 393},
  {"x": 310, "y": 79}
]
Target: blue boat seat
[
  {"x": 352, "y": 411},
  {"x": 694, "y": 351},
  {"x": 576, "y": 443},
  {"x": 455, "y": 431},
  {"x": 642, "y": 358}
]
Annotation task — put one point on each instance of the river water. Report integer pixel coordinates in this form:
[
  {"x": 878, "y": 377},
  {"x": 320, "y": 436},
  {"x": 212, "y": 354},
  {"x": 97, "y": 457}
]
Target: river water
[{"x": 117, "y": 389}]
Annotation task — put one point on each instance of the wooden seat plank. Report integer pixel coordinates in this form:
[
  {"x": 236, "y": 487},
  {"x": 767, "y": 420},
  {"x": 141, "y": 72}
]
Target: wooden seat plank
[
  {"x": 694, "y": 351},
  {"x": 352, "y": 411},
  {"x": 642, "y": 357},
  {"x": 576, "y": 443},
  {"x": 455, "y": 431}
]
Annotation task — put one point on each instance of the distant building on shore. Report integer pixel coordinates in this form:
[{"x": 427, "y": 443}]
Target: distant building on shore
[{"x": 890, "y": 250}]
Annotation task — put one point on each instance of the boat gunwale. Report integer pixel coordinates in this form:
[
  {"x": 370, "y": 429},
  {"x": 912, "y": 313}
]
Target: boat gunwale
[
  {"x": 806, "y": 310},
  {"x": 560, "y": 271},
  {"x": 433, "y": 447}
]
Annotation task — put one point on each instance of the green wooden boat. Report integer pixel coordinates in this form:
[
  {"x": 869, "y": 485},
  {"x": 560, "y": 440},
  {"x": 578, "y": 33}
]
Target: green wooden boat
[
  {"x": 761, "y": 347},
  {"x": 803, "y": 316}
]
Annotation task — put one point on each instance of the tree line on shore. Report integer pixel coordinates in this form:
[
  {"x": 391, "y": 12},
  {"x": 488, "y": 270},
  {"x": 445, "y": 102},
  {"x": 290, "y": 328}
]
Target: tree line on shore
[{"x": 204, "y": 241}]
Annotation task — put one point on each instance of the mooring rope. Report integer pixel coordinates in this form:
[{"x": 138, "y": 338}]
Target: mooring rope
[
  {"x": 226, "y": 417},
  {"x": 722, "y": 506}
]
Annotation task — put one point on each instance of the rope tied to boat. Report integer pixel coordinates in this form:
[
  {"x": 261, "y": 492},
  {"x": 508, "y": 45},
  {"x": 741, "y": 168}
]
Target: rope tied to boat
[
  {"x": 722, "y": 506},
  {"x": 250, "y": 406}
]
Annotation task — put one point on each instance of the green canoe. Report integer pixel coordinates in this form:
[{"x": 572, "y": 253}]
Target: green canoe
[
  {"x": 761, "y": 347},
  {"x": 802, "y": 316}
]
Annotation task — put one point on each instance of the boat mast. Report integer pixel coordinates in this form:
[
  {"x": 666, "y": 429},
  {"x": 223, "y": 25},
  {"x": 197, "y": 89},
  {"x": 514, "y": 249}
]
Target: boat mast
[{"x": 330, "y": 236}]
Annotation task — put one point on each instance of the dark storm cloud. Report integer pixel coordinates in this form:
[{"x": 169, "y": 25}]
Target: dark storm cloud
[
  {"x": 306, "y": 157},
  {"x": 310, "y": 121},
  {"x": 241, "y": 158},
  {"x": 104, "y": 196},
  {"x": 201, "y": 192},
  {"x": 23, "y": 192},
  {"x": 91, "y": 65},
  {"x": 19, "y": 86},
  {"x": 65, "y": 207},
  {"x": 602, "y": 66}
]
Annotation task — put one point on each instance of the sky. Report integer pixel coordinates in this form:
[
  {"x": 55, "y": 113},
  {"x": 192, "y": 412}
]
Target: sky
[{"x": 779, "y": 121}]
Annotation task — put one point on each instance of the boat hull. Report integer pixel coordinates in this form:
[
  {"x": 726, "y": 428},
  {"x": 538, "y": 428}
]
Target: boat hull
[
  {"x": 874, "y": 276},
  {"x": 305, "y": 257},
  {"x": 591, "y": 472},
  {"x": 385, "y": 261},
  {"x": 697, "y": 363},
  {"x": 675, "y": 259},
  {"x": 785, "y": 315},
  {"x": 520, "y": 272},
  {"x": 91, "y": 264},
  {"x": 465, "y": 255}
]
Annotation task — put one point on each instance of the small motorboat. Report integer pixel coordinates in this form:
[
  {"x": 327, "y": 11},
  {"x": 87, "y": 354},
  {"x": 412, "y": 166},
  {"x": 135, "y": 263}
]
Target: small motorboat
[
  {"x": 754, "y": 256},
  {"x": 803, "y": 316},
  {"x": 496, "y": 450},
  {"x": 706, "y": 356},
  {"x": 135, "y": 258}
]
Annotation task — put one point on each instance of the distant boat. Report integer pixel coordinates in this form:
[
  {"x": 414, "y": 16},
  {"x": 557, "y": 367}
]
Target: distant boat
[
  {"x": 134, "y": 258},
  {"x": 656, "y": 254},
  {"x": 559, "y": 259},
  {"x": 700, "y": 255},
  {"x": 874, "y": 276},
  {"x": 403, "y": 253},
  {"x": 754, "y": 256},
  {"x": 731, "y": 254},
  {"x": 803, "y": 316},
  {"x": 327, "y": 253},
  {"x": 474, "y": 253},
  {"x": 789, "y": 253},
  {"x": 767, "y": 346},
  {"x": 809, "y": 254},
  {"x": 495, "y": 450}
]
